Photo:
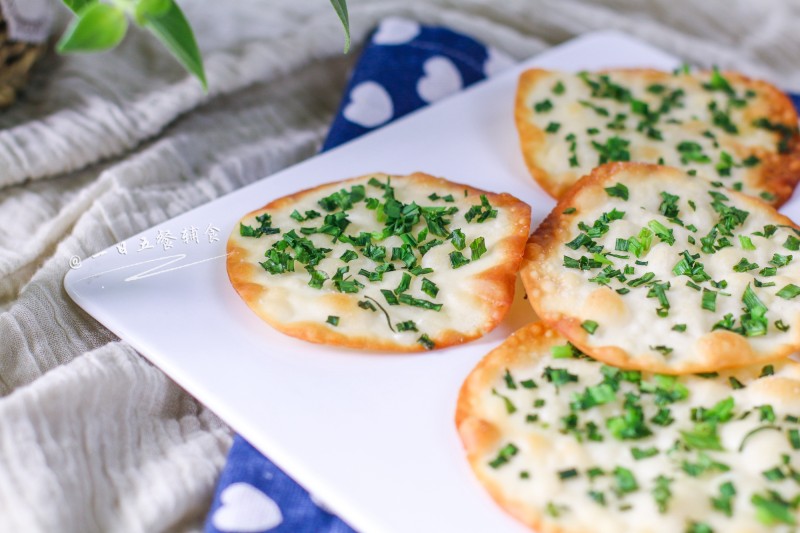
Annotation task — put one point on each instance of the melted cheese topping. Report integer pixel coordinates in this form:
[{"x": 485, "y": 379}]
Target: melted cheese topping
[
  {"x": 708, "y": 131},
  {"x": 620, "y": 291},
  {"x": 550, "y": 451},
  {"x": 288, "y": 298}
]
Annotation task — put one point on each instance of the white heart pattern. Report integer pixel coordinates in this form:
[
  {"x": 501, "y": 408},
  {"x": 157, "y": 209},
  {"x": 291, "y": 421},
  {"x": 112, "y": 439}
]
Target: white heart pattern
[
  {"x": 496, "y": 62},
  {"x": 370, "y": 105},
  {"x": 441, "y": 79},
  {"x": 395, "y": 30},
  {"x": 246, "y": 509}
]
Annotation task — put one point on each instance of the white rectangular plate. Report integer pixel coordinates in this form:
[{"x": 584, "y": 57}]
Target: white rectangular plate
[{"x": 372, "y": 435}]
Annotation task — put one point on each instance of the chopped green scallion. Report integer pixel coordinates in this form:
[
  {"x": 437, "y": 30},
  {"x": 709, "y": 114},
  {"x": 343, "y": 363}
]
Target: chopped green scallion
[
  {"x": 643, "y": 453},
  {"x": 735, "y": 383},
  {"x": 426, "y": 342},
  {"x": 709, "y": 302},
  {"x": 567, "y": 474},
  {"x": 543, "y": 106},
  {"x": 746, "y": 243},
  {"x": 724, "y": 503},
  {"x": 457, "y": 259},
  {"x": 478, "y": 248},
  {"x": 504, "y": 455},
  {"x": 618, "y": 191},
  {"x": 661, "y": 493},
  {"x": 625, "y": 481},
  {"x": 407, "y": 299},
  {"x": 788, "y": 292},
  {"x": 590, "y": 326},
  {"x": 509, "y": 405},
  {"x": 794, "y": 439},
  {"x": 772, "y": 509}
]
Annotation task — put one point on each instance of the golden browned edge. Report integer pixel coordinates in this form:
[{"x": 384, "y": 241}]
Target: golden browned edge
[
  {"x": 494, "y": 287},
  {"x": 719, "y": 349},
  {"x": 532, "y": 138},
  {"x": 480, "y": 436},
  {"x": 529, "y": 343},
  {"x": 778, "y": 174}
]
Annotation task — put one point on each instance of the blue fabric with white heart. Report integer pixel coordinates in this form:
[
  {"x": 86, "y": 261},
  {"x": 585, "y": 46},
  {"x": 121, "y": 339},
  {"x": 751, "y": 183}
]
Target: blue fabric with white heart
[
  {"x": 405, "y": 66},
  {"x": 254, "y": 495}
]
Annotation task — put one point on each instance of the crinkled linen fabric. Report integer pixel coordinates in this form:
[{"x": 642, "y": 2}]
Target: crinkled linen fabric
[{"x": 92, "y": 437}]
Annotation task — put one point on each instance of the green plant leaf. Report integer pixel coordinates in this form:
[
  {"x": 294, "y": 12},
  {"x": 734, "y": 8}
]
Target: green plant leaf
[
  {"x": 77, "y": 5},
  {"x": 152, "y": 8},
  {"x": 98, "y": 27},
  {"x": 174, "y": 31},
  {"x": 340, "y": 6}
]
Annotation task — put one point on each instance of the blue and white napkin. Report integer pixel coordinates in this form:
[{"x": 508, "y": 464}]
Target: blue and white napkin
[
  {"x": 404, "y": 67},
  {"x": 795, "y": 97}
]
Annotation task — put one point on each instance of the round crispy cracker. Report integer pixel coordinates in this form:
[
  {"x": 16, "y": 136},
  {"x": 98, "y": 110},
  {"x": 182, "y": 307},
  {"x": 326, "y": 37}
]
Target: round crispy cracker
[
  {"x": 645, "y": 316},
  {"x": 547, "y": 146},
  {"x": 545, "y": 450},
  {"x": 360, "y": 307}
]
